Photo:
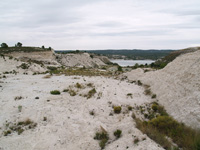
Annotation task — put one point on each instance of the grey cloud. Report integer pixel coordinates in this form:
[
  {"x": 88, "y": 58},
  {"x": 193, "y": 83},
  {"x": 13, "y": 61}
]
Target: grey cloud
[
  {"x": 72, "y": 19},
  {"x": 149, "y": 32},
  {"x": 110, "y": 24},
  {"x": 185, "y": 11}
]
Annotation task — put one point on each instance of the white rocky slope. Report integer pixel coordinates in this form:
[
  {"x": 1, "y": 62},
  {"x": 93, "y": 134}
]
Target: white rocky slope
[
  {"x": 82, "y": 59},
  {"x": 50, "y": 57},
  {"x": 10, "y": 65},
  {"x": 44, "y": 56},
  {"x": 177, "y": 87},
  {"x": 64, "y": 121}
]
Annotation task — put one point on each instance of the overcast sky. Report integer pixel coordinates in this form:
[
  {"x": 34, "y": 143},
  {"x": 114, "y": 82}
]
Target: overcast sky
[{"x": 101, "y": 24}]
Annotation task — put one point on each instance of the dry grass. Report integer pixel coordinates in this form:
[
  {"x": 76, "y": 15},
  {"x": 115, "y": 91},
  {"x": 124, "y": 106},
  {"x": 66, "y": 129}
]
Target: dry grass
[
  {"x": 164, "y": 126},
  {"x": 47, "y": 77}
]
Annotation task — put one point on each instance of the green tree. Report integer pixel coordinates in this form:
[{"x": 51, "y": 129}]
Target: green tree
[
  {"x": 4, "y": 45},
  {"x": 43, "y": 47},
  {"x": 119, "y": 68},
  {"x": 19, "y": 44}
]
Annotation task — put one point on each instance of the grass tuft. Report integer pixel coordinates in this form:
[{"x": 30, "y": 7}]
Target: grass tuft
[
  {"x": 55, "y": 92},
  {"x": 117, "y": 133}
]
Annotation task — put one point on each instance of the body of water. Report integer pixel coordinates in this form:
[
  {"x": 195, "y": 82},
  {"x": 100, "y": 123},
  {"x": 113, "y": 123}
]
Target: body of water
[{"x": 124, "y": 63}]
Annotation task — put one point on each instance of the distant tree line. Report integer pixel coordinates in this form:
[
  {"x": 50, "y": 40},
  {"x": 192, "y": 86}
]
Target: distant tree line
[{"x": 19, "y": 44}]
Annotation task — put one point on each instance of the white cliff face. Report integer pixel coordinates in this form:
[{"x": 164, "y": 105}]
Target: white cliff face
[
  {"x": 81, "y": 59},
  {"x": 177, "y": 87}
]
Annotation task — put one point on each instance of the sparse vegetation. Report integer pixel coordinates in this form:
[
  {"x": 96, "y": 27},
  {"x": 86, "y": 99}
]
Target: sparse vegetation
[
  {"x": 92, "y": 112},
  {"x": 19, "y": 127},
  {"x": 161, "y": 125},
  {"x": 147, "y": 92},
  {"x": 24, "y": 66},
  {"x": 55, "y": 92},
  {"x": 139, "y": 83},
  {"x": 10, "y": 57},
  {"x": 47, "y": 77},
  {"x": 117, "y": 109},
  {"x": 79, "y": 86},
  {"x": 65, "y": 90},
  {"x": 119, "y": 68},
  {"x": 45, "y": 119},
  {"x": 103, "y": 137},
  {"x": 129, "y": 95},
  {"x": 91, "y": 93},
  {"x": 153, "y": 96},
  {"x": 18, "y": 97},
  {"x": 130, "y": 108},
  {"x": 90, "y": 85},
  {"x": 72, "y": 92},
  {"x": 136, "y": 140},
  {"x": 20, "y": 108},
  {"x": 117, "y": 133},
  {"x": 159, "y": 109},
  {"x": 133, "y": 115},
  {"x": 5, "y": 133},
  {"x": 52, "y": 68}
]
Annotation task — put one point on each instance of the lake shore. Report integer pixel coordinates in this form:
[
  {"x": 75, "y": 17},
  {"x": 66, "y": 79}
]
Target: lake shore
[{"x": 125, "y": 63}]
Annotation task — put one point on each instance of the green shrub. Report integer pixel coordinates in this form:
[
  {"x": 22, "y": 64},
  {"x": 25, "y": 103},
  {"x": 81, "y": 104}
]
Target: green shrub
[
  {"x": 103, "y": 137},
  {"x": 24, "y": 66},
  {"x": 102, "y": 143},
  {"x": 51, "y": 68},
  {"x": 117, "y": 133},
  {"x": 20, "y": 108},
  {"x": 147, "y": 92},
  {"x": 119, "y": 68},
  {"x": 136, "y": 140},
  {"x": 7, "y": 132},
  {"x": 154, "y": 107},
  {"x": 78, "y": 85},
  {"x": 153, "y": 96},
  {"x": 92, "y": 113},
  {"x": 90, "y": 85},
  {"x": 45, "y": 119},
  {"x": 72, "y": 92},
  {"x": 18, "y": 97},
  {"x": 130, "y": 108},
  {"x": 20, "y": 130},
  {"x": 91, "y": 93},
  {"x": 164, "y": 124},
  {"x": 139, "y": 83},
  {"x": 55, "y": 92},
  {"x": 130, "y": 95},
  {"x": 66, "y": 90},
  {"x": 117, "y": 109},
  {"x": 133, "y": 116}
]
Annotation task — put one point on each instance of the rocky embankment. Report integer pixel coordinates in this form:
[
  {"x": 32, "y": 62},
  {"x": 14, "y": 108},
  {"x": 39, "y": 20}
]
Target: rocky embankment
[{"x": 177, "y": 87}]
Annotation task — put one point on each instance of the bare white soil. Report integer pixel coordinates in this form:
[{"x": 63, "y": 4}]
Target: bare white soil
[
  {"x": 177, "y": 87},
  {"x": 69, "y": 124}
]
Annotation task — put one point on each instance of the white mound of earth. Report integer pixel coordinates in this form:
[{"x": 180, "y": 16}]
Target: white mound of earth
[{"x": 177, "y": 87}]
